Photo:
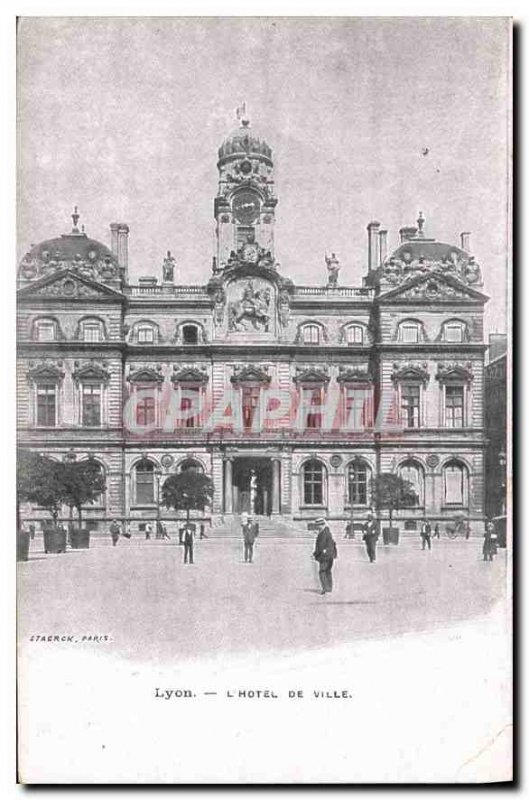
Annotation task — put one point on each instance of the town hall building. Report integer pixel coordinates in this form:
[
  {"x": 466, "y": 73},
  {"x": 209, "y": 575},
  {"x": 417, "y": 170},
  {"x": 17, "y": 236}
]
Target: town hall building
[{"x": 291, "y": 397}]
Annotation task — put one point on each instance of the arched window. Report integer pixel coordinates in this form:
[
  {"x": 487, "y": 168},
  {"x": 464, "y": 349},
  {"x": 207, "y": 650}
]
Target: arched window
[
  {"x": 311, "y": 334},
  {"x": 410, "y": 331},
  {"x": 454, "y": 331},
  {"x": 455, "y": 480},
  {"x": 190, "y": 334},
  {"x": 45, "y": 330},
  {"x": 358, "y": 476},
  {"x": 413, "y": 472},
  {"x": 91, "y": 330},
  {"x": 144, "y": 474},
  {"x": 314, "y": 478},
  {"x": 100, "y": 499},
  {"x": 355, "y": 334},
  {"x": 191, "y": 465}
]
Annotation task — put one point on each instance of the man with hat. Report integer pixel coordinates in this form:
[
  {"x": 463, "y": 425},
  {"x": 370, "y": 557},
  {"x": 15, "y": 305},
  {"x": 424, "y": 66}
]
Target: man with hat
[
  {"x": 249, "y": 531},
  {"x": 370, "y": 538},
  {"x": 325, "y": 552}
]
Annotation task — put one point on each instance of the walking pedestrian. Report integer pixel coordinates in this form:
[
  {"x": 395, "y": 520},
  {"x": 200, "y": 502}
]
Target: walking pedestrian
[
  {"x": 148, "y": 530},
  {"x": 349, "y": 531},
  {"x": 188, "y": 538},
  {"x": 370, "y": 538},
  {"x": 325, "y": 551},
  {"x": 202, "y": 531},
  {"x": 490, "y": 543},
  {"x": 163, "y": 531},
  {"x": 115, "y": 531},
  {"x": 126, "y": 530},
  {"x": 31, "y": 530},
  {"x": 249, "y": 531},
  {"x": 426, "y": 534},
  {"x": 437, "y": 531}
]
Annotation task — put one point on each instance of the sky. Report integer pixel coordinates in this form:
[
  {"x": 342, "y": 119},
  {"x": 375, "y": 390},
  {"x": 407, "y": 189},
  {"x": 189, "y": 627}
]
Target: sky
[{"x": 124, "y": 116}]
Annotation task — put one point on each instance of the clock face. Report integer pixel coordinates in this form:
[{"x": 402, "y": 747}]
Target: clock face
[{"x": 246, "y": 207}]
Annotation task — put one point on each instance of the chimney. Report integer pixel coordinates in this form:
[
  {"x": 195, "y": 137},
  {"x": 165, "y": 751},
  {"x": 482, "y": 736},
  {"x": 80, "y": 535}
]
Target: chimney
[
  {"x": 382, "y": 245},
  {"x": 123, "y": 245},
  {"x": 407, "y": 233},
  {"x": 372, "y": 244},
  {"x": 114, "y": 237},
  {"x": 465, "y": 241}
]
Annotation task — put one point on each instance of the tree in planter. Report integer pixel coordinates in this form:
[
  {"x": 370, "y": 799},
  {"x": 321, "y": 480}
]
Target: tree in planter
[
  {"x": 393, "y": 493},
  {"x": 83, "y": 483},
  {"x": 40, "y": 480},
  {"x": 186, "y": 490}
]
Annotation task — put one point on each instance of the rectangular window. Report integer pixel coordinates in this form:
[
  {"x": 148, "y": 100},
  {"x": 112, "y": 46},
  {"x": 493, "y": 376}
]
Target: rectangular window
[
  {"x": 47, "y": 405},
  {"x": 410, "y": 395},
  {"x": 454, "y": 490},
  {"x": 355, "y": 335},
  {"x": 356, "y": 402},
  {"x": 91, "y": 332},
  {"x": 454, "y": 405},
  {"x": 91, "y": 405},
  {"x": 311, "y": 334},
  {"x": 189, "y": 406},
  {"x": 312, "y": 405},
  {"x": 145, "y": 411},
  {"x": 145, "y": 335},
  {"x": 46, "y": 331},
  {"x": 409, "y": 334},
  {"x": 250, "y": 405},
  {"x": 144, "y": 487},
  {"x": 453, "y": 333}
]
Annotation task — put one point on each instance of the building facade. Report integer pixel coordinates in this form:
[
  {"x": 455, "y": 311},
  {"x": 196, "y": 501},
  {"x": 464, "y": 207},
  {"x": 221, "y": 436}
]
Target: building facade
[
  {"x": 291, "y": 397},
  {"x": 496, "y": 426}
]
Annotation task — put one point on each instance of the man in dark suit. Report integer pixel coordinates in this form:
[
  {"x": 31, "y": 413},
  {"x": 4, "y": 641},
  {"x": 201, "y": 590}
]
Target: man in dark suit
[
  {"x": 325, "y": 552},
  {"x": 188, "y": 535},
  {"x": 249, "y": 532},
  {"x": 370, "y": 538}
]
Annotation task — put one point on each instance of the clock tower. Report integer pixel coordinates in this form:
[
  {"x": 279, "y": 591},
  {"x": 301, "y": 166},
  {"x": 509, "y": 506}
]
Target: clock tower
[{"x": 245, "y": 203}]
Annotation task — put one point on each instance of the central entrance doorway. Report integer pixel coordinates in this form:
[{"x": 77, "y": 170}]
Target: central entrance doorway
[{"x": 252, "y": 486}]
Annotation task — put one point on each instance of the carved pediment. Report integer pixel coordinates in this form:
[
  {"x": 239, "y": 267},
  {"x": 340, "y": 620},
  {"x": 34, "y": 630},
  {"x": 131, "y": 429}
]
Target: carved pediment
[
  {"x": 189, "y": 375},
  {"x": 410, "y": 372},
  {"x": 455, "y": 371},
  {"x": 317, "y": 374},
  {"x": 145, "y": 375},
  {"x": 250, "y": 374},
  {"x": 353, "y": 375},
  {"x": 90, "y": 372},
  {"x": 45, "y": 373},
  {"x": 434, "y": 287},
  {"x": 68, "y": 285}
]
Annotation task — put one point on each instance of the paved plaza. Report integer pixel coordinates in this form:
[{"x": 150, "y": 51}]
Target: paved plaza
[{"x": 142, "y": 595}]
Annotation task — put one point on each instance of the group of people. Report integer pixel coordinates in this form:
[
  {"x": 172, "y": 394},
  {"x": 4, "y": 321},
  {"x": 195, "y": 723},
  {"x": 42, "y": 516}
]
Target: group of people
[{"x": 186, "y": 535}]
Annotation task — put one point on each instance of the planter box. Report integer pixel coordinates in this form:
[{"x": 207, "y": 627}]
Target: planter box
[
  {"x": 390, "y": 535},
  {"x": 54, "y": 540},
  {"x": 22, "y": 545},
  {"x": 80, "y": 539}
]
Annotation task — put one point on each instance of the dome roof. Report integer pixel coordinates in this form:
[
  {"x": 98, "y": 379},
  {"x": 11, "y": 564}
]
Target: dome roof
[
  {"x": 74, "y": 250},
  {"x": 244, "y": 140},
  {"x": 428, "y": 250}
]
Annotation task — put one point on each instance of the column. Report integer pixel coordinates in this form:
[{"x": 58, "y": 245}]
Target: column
[
  {"x": 276, "y": 467},
  {"x": 228, "y": 498}
]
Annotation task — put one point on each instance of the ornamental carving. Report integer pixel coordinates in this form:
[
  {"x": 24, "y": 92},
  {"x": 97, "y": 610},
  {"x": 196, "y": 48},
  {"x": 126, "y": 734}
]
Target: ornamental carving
[
  {"x": 353, "y": 374},
  {"x": 145, "y": 373},
  {"x": 251, "y": 311},
  {"x": 455, "y": 371},
  {"x": 93, "y": 268},
  {"x": 90, "y": 371},
  {"x": 397, "y": 271},
  {"x": 50, "y": 371},
  {"x": 410, "y": 371},
  {"x": 248, "y": 373},
  {"x": 189, "y": 374},
  {"x": 283, "y": 307},
  {"x": 317, "y": 373}
]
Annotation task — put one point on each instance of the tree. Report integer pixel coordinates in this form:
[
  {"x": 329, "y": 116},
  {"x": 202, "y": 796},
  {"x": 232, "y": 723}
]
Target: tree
[
  {"x": 83, "y": 482},
  {"x": 40, "y": 480},
  {"x": 392, "y": 492},
  {"x": 187, "y": 490}
]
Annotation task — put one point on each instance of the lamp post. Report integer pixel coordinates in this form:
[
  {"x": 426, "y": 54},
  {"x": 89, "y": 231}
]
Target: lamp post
[
  {"x": 502, "y": 461},
  {"x": 158, "y": 473}
]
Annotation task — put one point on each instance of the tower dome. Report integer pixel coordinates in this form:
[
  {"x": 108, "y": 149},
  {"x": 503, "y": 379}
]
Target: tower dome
[{"x": 244, "y": 140}]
